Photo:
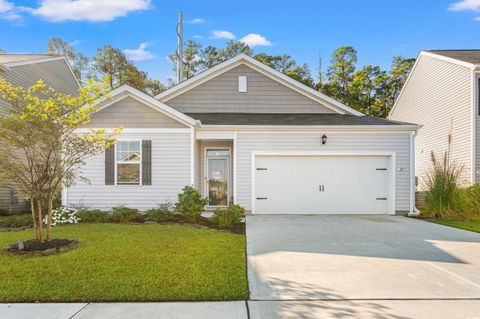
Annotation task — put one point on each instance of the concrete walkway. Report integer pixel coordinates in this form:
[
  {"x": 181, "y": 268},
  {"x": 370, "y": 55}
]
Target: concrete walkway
[{"x": 167, "y": 310}]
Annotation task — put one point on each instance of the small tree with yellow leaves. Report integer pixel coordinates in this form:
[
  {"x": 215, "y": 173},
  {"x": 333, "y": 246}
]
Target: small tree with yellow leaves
[{"x": 41, "y": 149}]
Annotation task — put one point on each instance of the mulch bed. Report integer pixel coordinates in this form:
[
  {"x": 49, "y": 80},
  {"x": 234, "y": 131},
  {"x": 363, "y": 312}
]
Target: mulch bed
[
  {"x": 34, "y": 247},
  {"x": 237, "y": 229}
]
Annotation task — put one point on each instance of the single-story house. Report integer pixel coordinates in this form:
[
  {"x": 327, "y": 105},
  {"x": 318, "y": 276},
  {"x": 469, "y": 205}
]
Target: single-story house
[{"x": 244, "y": 133}]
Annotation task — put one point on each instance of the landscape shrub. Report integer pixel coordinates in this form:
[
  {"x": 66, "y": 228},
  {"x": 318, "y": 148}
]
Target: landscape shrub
[
  {"x": 228, "y": 217},
  {"x": 93, "y": 216},
  {"x": 443, "y": 193},
  {"x": 190, "y": 204},
  {"x": 159, "y": 215},
  {"x": 16, "y": 221},
  {"x": 124, "y": 214},
  {"x": 4, "y": 212},
  {"x": 63, "y": 215}
]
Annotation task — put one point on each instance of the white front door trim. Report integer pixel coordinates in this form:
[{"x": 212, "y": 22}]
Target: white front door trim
[{"x": 391, "y": 154}]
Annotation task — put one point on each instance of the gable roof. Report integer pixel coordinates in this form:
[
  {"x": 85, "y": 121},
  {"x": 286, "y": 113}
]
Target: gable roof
[
  {"x": 126, "y": 90},
  {"x": 468, "y": 56},
  {"x": 297, "y": 119},
  {"x": 265, "y": 70},
  {"x": 465, "y": 58},
  {"x": 12, "y": 58},
  {"x": 8, "y": 61}
]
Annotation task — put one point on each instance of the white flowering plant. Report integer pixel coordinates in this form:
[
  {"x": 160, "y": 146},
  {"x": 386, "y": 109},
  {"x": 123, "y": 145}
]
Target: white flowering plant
[{"x": 63, "y": 215}]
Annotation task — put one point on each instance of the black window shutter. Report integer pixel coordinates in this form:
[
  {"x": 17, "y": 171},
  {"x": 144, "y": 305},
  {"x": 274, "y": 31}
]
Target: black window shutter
[
  {"x": 146, "y": 162},
  {"x": 110, "y": 165}
]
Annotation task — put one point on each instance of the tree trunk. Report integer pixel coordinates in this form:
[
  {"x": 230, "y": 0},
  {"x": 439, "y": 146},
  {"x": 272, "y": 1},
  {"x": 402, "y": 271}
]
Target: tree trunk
[
  {"x": 34, "y": 217},
  {"x": 40, "y": 221},
  {"x": 49, "y": 218}
]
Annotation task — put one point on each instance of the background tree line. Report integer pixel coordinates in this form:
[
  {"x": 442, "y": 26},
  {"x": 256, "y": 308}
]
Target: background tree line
[{"x": 368, "y": 89}]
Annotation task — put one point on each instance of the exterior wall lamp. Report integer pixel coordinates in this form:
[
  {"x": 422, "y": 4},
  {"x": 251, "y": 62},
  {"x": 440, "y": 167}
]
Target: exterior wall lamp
[{"x": 324, "y": 139}]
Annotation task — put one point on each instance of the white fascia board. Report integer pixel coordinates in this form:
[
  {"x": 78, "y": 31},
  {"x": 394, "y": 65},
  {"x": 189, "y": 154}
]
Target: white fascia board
[
  {"x": 407, "y": 128},
  {"x": 150, "y": 101},
  {"x": 265, "y": 70}
]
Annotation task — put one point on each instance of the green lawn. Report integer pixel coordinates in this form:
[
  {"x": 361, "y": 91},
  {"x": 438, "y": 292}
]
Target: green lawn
[
  {"x": 472, "y": 225},
  {"x": 128, "y": 263}
]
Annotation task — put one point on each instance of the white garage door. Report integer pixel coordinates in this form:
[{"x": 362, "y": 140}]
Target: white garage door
[{"x": 322, "y": 184}]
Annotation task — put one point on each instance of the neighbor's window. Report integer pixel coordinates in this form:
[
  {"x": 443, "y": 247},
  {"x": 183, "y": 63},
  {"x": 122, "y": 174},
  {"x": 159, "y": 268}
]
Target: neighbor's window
[{"x": 129, "y": 161}]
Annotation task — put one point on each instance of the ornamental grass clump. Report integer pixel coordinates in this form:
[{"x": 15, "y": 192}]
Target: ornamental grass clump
[
  {"x": 228, "y": 217},
  {"x": 443, "y": 195}
]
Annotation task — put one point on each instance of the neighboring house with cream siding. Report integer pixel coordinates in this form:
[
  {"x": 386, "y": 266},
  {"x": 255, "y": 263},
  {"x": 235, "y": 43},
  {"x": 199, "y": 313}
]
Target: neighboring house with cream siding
[
  {"x": 25, "y": 70},
  {"x": 441, "y": 94},
  {"x": 244, "y": 133}
]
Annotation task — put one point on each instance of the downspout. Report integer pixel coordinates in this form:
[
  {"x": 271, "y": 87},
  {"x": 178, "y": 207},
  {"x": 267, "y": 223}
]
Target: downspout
[{"x": 413, "y": 209}]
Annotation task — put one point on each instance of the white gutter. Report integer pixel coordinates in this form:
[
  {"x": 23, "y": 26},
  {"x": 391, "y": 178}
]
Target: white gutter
[{"x": 312, "y": 127}]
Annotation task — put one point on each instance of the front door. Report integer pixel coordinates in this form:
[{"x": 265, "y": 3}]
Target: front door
[{"x": 218, "y": 175}]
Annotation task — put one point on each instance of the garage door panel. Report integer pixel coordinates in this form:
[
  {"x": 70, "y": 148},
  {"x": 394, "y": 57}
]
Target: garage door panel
[{"x": 322, "y": 185}]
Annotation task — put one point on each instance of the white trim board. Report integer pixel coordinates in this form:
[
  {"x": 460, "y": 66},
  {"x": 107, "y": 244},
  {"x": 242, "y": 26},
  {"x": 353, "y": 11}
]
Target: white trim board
[
  {"x": 265, "y": 70},
  {"x": 138, "y": 130},
  {"x": 310, "y": 128},
  {"x": 391, "y": 154}
]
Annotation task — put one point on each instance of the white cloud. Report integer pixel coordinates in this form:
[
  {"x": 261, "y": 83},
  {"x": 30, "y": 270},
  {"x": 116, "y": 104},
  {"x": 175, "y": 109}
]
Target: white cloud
[
  {"x": 87, "y": 10},
  {"x": 253, "y": 40},
  {"x": 8, "y": 11},
  {"x": 197, "y": 21},
  {"x": 139, "y": 54},
  {"x": 222, "y": 34},
  {"x": 471, "y": 5}
]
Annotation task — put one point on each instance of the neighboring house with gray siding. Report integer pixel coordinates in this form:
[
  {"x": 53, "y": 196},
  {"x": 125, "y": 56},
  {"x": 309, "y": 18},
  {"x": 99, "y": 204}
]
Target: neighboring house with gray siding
[
  {"x": 244, "y": 133},
  {"x": 441, "y": 94},
  {"x": 25, "y": 70}
]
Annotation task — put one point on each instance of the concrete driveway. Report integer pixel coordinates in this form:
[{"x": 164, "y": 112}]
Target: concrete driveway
[{"x": 314, "y": 259}]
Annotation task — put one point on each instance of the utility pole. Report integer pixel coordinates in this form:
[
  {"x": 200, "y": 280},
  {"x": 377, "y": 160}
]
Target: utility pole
[{"x": 180, "y": 48}]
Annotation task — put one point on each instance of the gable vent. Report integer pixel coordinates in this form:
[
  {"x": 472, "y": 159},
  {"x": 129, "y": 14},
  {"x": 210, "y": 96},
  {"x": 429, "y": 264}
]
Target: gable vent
[{"x": 242, "y": 83}]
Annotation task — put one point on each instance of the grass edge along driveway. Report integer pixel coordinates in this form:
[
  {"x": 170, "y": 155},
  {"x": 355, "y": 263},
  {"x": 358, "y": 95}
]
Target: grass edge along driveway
[
  {"x": 471, "y": 225},
  {"x": 117, "y": 262}
]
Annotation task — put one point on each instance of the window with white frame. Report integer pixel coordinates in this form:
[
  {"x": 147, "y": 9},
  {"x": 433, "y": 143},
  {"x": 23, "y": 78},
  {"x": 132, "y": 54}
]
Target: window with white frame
[{"x": 129, "y": 162}]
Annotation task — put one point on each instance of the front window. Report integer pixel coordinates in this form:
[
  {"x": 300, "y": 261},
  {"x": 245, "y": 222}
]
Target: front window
[{"x": 129, "y": 161}]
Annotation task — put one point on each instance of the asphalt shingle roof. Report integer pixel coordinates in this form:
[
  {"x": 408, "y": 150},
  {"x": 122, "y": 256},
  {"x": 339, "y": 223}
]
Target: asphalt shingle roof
[
  {"x": 469, "y": 56},
  {"x": 9, "y": 58},
  {"x": 288, "y": 119}
]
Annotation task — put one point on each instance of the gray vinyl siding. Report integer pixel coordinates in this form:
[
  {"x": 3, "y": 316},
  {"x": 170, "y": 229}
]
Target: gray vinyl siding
[
  {"x": 264, "y": 95},
  {"x": 337, "y": 141},
  {"x": 131, "y": 113},
  {"x": 170, "y": 173},
  {"x": 438, "y": 96},
  {"x": 54, "y": 73},
  {"x": 477, "y": 129}
]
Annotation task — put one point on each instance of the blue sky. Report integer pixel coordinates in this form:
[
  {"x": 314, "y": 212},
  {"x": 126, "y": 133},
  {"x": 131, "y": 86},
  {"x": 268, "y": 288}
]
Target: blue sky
[{"x": 378, "y": 29}]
